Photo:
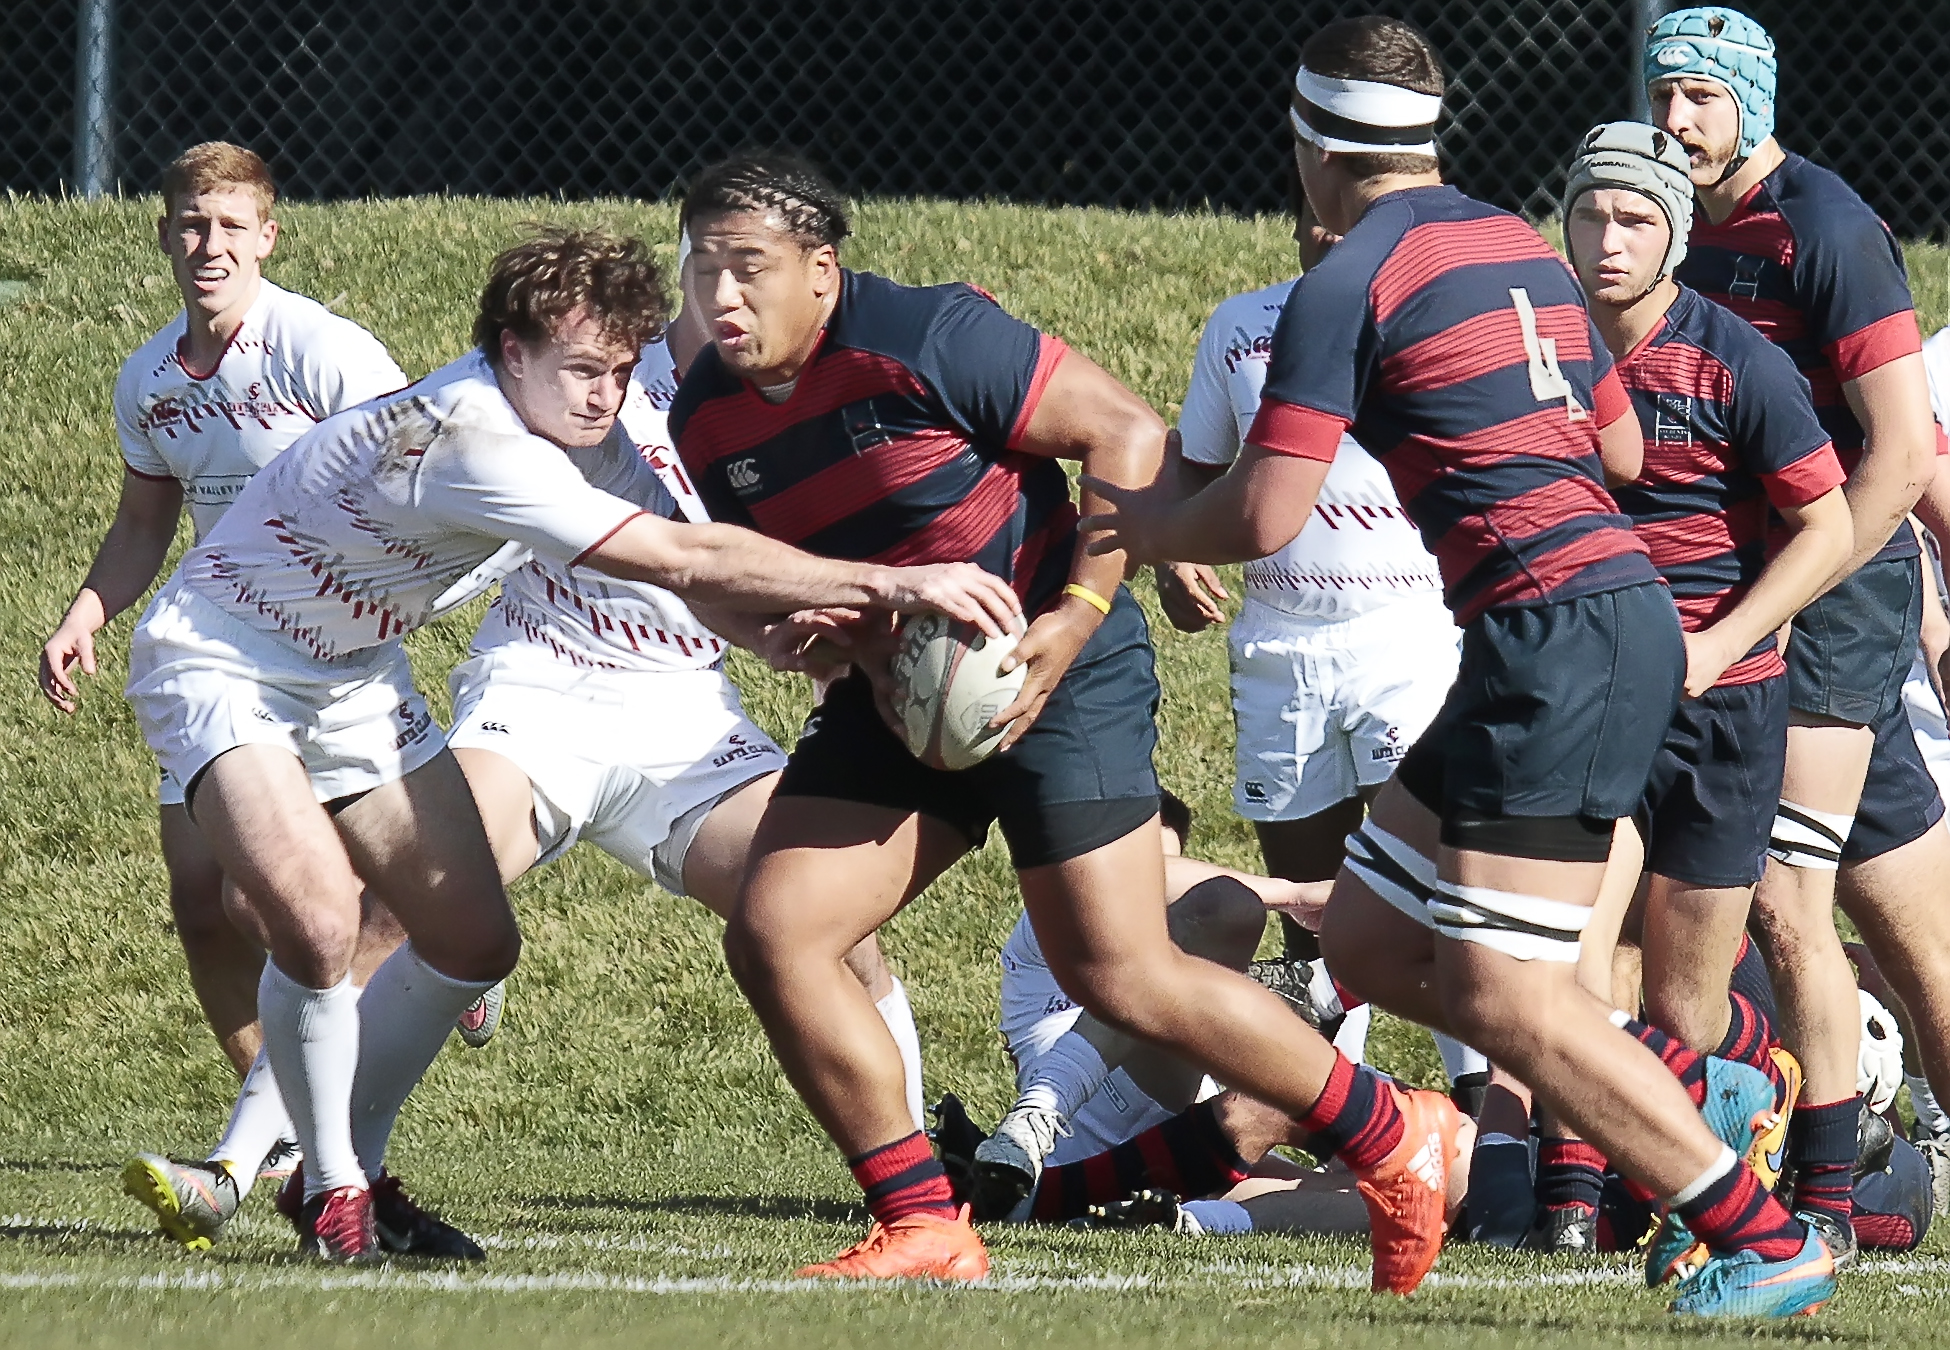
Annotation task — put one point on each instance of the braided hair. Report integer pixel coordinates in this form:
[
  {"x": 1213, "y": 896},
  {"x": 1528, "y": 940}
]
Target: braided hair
[{"x": 772, "y": 183}]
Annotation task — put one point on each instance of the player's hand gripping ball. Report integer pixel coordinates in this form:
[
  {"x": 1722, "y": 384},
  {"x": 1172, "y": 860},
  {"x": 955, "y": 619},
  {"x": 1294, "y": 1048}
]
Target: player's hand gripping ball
[
  {"x": 1879, "y": 1063},
  {"x": 946, "y": 688}
]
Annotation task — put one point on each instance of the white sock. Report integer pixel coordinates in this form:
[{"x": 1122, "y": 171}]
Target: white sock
[
  {"x": 1063, "y": 1077},
  {"x": 404, "y": 1018},
  {"x": 1457, "y": 1058},
  {"x": 1216, "y": 1216},
  {"x": 311, "y": 1037},
  {"x": 257, "y": 1121},
  {"x": 898, "y": 1014},
  {"x": 1929, "y": 1114},
  {"x": 1352, "y": 1039},
  {"x": 1721, "y": 1165}
]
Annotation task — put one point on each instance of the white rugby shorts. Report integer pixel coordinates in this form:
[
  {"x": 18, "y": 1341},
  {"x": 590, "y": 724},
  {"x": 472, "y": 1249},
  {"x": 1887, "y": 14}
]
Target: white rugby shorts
[
  {"x": 1326, "y": 708},
  {"x": 631, "y": 761},
  {"x": 202, "y": 682}
]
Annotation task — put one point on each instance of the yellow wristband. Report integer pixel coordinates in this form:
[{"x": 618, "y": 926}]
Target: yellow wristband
[{"x": 1088, "y": 596}]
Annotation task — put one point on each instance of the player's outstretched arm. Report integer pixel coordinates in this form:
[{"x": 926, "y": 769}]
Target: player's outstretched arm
[
  {"x": 130, "y": 555},
  {"x": 733, "y": 568},
  {"x": 1822, "y": 536},
  {"x": 1254, "y": 509},
  {"x": 1892, "y": 402}
]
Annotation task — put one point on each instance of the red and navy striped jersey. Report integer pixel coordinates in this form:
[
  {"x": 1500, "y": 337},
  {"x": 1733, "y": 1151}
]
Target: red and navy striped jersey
[
  {"x": 1454, "y": 345},
  {"x": 898, "y": 444},
  {"x": 1804, "y": 260},
  {"x": 1729, "y": 429}
]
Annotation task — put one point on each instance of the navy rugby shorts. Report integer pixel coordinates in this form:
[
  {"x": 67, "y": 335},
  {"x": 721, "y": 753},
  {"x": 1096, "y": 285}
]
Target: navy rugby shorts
[
  {"x": 1080, "y": 778},
  {"x": 1558, "y": 710},
  {"x": 1709, "y": 803}
]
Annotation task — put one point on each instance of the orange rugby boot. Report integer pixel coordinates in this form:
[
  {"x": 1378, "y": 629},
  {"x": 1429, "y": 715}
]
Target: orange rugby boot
[
  {"x": 1407, "y": 1192},
  {"x": 918, "y": 1247}
]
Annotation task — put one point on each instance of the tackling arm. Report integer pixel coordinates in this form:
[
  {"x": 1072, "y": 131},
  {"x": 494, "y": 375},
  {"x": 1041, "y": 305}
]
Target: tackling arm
[{"x": 739, "y": 569}]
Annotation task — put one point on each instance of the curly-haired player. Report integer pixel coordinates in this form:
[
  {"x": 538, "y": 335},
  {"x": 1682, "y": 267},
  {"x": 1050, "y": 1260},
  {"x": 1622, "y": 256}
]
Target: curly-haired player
[{"x": 270, "y": 676}]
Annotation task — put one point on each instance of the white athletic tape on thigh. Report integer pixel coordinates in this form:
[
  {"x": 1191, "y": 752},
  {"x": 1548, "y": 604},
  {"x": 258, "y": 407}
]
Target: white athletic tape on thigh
[
  {"x": 1528, "y": 927},
  {"x": 1393, "y": 871},
  {"x": 1805, "y": 837}
]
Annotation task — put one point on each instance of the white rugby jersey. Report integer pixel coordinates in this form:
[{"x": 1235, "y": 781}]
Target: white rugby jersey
[
  {"x": 291, "y": 364},
  {"x": 357, "y": 534},
  {"x": 1358, "y": 551},
  {"x": 593, "y": 621}
]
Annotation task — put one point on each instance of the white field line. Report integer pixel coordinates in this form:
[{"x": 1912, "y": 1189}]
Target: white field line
[{"x": 1210, "y": 1275}]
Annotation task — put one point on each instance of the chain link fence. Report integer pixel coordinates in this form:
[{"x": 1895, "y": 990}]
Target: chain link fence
[{"x": 1134, "y": 103}]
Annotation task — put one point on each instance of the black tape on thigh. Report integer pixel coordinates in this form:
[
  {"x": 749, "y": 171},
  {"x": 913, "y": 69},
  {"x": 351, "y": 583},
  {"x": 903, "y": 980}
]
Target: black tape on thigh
[{"x": 1551, "y": 838}]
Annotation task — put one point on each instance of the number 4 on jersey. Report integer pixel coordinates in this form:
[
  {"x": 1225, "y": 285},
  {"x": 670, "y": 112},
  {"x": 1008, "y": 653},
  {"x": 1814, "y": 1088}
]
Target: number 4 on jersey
[{"x": 1547, "y": 381}]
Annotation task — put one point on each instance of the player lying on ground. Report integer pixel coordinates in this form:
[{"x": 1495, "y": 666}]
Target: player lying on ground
[
  {"x": 1083, "y": 1086},
  {"x": 596, "y": 708},
  {"x": 866, "y": 419},
  {"x": 270, "y": 677},
  {"x": 1731, "y": 441},
  {"x": 1791, "y": 248},
  {"x": 1455, "y": 345},
  {"x": 1205, "y": 1171},
  {"x": 1342, "y": 652}
]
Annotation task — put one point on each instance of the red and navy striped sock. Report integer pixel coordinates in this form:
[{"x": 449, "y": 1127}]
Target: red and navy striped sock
[
  {"x": 1355, "y": 1119},
  {"x": 1688, "y": 1066},
  {"x": 1733, "y": 1213},
  {"x": 1188, "y": 1155},
  {"x": 903, "y": 1178},
  {"x": 1821, "y": 1141},
  {"x": 1570, "y": 1172},
  {"x": 1750, "y": 1036}
]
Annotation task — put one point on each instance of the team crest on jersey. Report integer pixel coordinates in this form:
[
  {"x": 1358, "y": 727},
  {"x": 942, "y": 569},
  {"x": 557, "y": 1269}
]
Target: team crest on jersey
[{"x": 1672, "y": 418}]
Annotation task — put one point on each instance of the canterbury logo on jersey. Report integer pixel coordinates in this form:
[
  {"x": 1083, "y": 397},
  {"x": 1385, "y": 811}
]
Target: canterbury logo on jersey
[{"x": 742, "y": 475}]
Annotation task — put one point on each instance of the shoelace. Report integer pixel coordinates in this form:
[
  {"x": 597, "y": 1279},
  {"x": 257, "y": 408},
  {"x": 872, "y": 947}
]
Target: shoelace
[
  {"x": 1045, "y": 1127},
  {"x": 342, "y": 1222}
]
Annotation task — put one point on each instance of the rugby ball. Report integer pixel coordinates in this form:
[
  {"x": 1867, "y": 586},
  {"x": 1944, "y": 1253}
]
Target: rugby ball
[{"x": 946, "y": 688}]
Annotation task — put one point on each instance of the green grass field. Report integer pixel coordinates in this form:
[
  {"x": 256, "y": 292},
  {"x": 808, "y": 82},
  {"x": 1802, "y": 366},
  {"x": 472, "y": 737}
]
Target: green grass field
[{"x": 626, "y": 1148}]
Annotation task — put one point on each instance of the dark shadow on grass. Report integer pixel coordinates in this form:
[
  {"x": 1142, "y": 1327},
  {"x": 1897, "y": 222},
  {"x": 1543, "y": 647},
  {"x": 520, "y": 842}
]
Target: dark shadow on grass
[
  {"x": 55, "y": 1165},
  {"x": 67, "y": 1234},
  {"x": 1518, "y": 1319},
  {"x": 741, "y": 1206}
]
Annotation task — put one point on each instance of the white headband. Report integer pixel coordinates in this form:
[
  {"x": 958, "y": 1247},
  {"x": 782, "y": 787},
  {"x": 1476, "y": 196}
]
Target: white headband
[{"x": 1362, "y": 116}]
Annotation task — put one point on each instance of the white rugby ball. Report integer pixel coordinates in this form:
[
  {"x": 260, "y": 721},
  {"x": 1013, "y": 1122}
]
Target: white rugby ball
[{"x": 947, "y": 688}]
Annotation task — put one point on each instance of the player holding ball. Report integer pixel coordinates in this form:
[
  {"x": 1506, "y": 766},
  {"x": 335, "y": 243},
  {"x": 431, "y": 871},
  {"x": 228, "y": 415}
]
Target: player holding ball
[{"x": 865, "y": 420}]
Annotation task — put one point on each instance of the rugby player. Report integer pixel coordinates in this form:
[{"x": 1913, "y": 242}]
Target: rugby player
[
  {"x": 595, "y": 708},
  {"x": 1729, "y": 433},
  {"x": 1455, "y": 345},
  {"x": 216, "y": 394},
  {"x": 1792, "y": 249},
  {"x": 1342, "y": 651},
  {"x": 871, "y": 420},
  {"x": 270, "y": 676},
  {"x": 1083, "y": 1086}
]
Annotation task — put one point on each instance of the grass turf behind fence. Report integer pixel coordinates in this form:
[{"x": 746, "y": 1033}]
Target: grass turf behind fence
[{"x": 628, "y": 1129}]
